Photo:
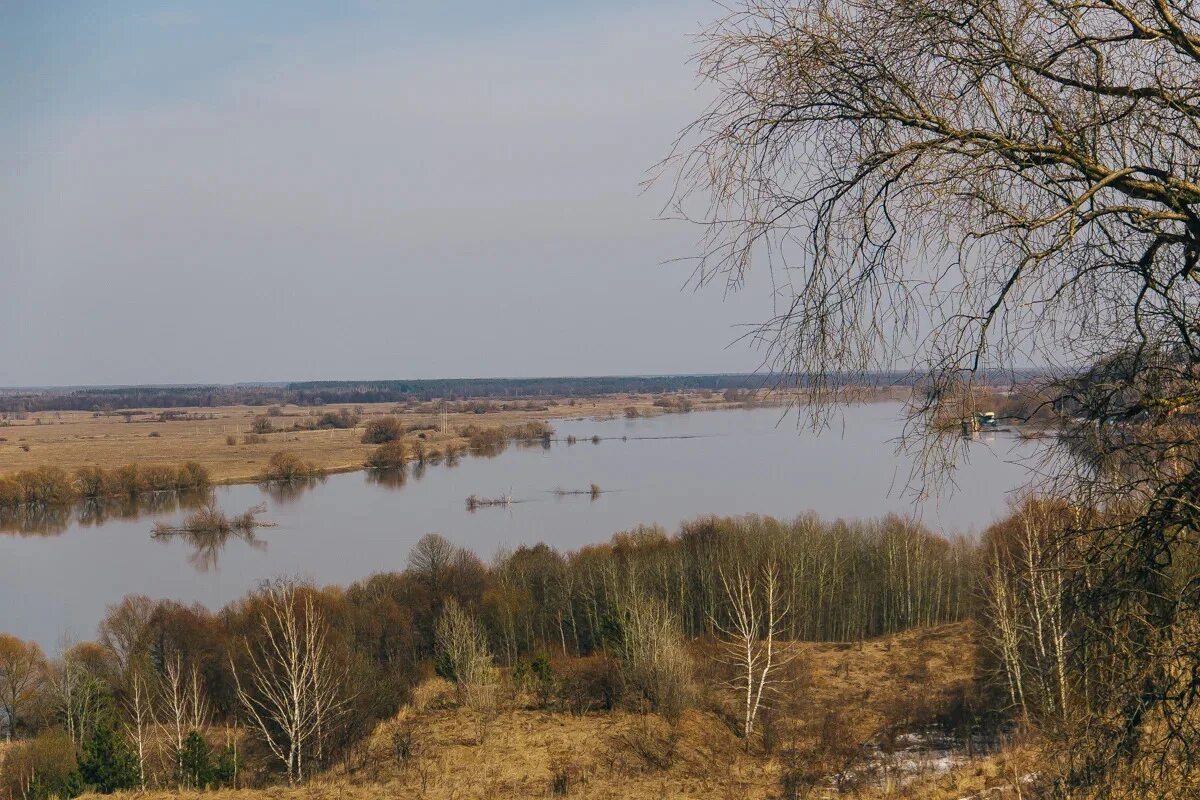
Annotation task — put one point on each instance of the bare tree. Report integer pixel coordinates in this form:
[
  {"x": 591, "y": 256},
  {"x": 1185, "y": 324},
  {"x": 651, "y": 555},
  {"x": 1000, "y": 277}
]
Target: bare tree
[
  {"x": 290, "y": 688},
  {"x": 78, "y": 694},
  {"x": 654, "y": 655},
  {"x": 184, "y": 707},
  {"x": 123, "y": 631},
  {"x": 431, "y": 558},
  {"x": 464, "y": 655},
  {"x": 140, "y": 711},
  {"x": 752, "y": 636},
  {"x": 958, "y": 189}
]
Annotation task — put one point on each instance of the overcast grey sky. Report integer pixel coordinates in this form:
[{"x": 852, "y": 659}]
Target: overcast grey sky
[{"x": 223, "y": 192}]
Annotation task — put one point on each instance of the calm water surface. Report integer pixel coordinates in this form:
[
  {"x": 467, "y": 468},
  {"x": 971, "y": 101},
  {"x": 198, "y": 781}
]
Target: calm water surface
[{"x": 669, "y": 469}]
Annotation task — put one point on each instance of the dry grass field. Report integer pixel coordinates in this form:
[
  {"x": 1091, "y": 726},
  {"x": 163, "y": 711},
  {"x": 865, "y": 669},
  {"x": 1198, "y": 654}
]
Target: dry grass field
[
  {"x": 434, "y": 748},
  {"x": 73, "y": 439}
]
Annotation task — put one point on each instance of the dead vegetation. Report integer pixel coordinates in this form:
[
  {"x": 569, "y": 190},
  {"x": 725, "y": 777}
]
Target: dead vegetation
[
  {"x": 209, "y": 519},
  {"x": 325, "y": 435},
  {"x": 842, "y": 697}
]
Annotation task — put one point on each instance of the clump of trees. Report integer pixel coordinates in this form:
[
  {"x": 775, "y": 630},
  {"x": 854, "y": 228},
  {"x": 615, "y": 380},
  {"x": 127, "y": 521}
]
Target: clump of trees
[
  {"x": 44, "y": 487},
  {"x": 304, "y": 672}
]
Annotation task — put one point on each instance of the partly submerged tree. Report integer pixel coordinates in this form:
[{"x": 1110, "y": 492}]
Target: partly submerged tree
[{"x": 960, "y": 188}]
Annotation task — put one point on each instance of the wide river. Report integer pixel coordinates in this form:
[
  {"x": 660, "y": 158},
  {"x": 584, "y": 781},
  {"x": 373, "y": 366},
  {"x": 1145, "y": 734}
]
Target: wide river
[{"x": 663, "y": 470}]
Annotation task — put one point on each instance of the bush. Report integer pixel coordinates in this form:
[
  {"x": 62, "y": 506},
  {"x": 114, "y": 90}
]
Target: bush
[
  {"x": 93, "y": 483},
  {"x": 160, "y": 477},
  {"x": 287, "y": 466},
  {"x": 653, "y": 742},
  {"x": 127, "y": 480},
  {"x": 337, "y": 419},
  {"x": 654, "y": 659},
  {"x": 262, "y": 425},
  {"x": 590, "y": 684},
  {"x": 11, "y": 493},
  {"x": 391, "y": 455},
  {"x": 192, "y": 477},
  {"x": 231, "y": 440},
  {"x": 381, "y": 431},
  {"x": 46, "y": 486},
  {"x": 41, "y": 768},
  {"x": 254, "y": 438}
]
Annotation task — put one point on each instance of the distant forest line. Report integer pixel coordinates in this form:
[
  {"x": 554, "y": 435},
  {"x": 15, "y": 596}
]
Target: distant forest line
[{"x": 315, "y": 393}]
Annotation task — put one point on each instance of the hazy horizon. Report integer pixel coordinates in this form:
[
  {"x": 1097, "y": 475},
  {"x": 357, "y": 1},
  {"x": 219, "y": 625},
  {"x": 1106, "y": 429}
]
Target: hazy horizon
[{"x": 224, "y": 194}]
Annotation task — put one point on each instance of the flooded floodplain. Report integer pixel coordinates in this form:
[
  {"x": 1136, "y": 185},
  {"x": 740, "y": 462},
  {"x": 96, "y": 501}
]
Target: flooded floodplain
[{"x": 58, "y": 574}]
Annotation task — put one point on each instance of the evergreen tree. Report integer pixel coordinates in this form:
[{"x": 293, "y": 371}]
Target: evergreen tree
[
  {"x": 107, "y": 763},
  {"x": 196, "y": 762}
]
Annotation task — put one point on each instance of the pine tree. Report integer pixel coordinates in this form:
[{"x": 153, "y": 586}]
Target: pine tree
[
  {"x": 196, "y": 762},
  {"x": 107, "y": 763}
]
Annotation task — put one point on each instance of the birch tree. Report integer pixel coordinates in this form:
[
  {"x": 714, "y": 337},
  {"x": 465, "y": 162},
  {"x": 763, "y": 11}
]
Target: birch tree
[
  {"x": 752, "y": 636},
  {"x": 141, "y": 721},
  {"x": 184, "y": 707},
  {"x": 289, "y": 686},
  {"x": 961, "y": 189}
]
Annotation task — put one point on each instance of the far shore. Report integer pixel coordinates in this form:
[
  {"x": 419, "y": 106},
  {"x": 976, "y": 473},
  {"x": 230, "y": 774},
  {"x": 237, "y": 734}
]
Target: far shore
[{"x": 223, "y": 439}]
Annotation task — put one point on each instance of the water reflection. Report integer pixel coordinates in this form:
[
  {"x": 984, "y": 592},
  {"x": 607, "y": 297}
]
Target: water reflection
[
  {"x": 289, "y": 491},
  {"x": 394, "y": 478},
  {"x": 674, "y": 467},
  {"x": 207, "y": 544},
  {"x": 55, "y": 520}
]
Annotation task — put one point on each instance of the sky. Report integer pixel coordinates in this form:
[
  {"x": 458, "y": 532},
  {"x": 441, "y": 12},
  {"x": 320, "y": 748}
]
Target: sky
[{"x": 239, "y": 191}]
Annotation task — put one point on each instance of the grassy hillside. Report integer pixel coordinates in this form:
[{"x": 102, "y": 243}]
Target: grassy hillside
[{"x": 844, "y": 722}]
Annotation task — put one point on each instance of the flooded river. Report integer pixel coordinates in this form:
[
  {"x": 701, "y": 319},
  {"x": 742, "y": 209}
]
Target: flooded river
[{"x": 58, "y": 575}]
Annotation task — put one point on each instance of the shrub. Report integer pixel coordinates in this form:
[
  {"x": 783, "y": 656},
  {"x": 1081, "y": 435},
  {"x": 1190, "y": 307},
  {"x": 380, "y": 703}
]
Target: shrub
[
  {"x": 262, "y": 425},
  {"x": 193, "y": 476},
  {"x": 390, "y": 455},
  {"x": 231, "y": 440},
  {"x": 128, "y": 480},
  {"x": 653, "y": 742},
  {"x": 463, "y": 656},
  {"x": 11, "y": 493},
  {"x": 654, "y": 658},
  {"x": 287, "y": 466},
  {"x": 254, "y": 438},
  {"x": 93, "y": 483},
  {"x": 41, "y": 768},
  {"x": 160, "y": 477},
  {"x": 337, "y": 419},
  {"x": 46, "y": 486},
  {"x": 381, "y": 431},
  {"x": 590, "y": 684}
]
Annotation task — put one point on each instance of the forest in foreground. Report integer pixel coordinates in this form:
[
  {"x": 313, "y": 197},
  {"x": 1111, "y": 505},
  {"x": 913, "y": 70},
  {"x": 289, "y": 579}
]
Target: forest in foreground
[{"x": 728, "y": 637}]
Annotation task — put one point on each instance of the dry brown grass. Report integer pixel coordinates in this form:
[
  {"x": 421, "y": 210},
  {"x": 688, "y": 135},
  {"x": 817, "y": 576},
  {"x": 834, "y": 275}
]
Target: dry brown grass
[
  {"x": 73, "y": 439},
  {"x": 434, "y": 748}
]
